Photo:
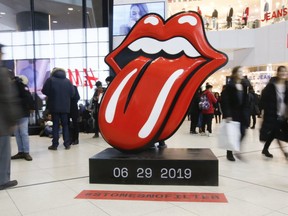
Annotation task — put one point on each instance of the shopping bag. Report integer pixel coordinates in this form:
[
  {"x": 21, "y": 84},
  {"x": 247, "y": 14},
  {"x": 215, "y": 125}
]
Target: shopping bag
[{"x": 229, "y": 135}]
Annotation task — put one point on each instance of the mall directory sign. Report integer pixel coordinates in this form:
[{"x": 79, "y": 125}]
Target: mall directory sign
[{"x": 159, "y": 66}]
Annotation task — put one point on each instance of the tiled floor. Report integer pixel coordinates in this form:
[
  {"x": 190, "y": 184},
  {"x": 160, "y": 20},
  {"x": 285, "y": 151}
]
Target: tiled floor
[{"x": 48, "y": 185}]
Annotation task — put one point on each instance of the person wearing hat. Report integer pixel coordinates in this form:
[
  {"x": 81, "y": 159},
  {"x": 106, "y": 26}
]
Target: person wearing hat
[
  {"x": 26, "y": 104},
  {"x": 59, "y": 91},
  {"x": 98, "y": 94},
  {"x": 8, "y": 118}
]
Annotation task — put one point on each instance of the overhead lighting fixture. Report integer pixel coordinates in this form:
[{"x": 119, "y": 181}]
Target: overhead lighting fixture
[
  {"x": 2, "y": 13},
  {"x": 55, "y": 21},
  {"x": 70, "y": 9}
]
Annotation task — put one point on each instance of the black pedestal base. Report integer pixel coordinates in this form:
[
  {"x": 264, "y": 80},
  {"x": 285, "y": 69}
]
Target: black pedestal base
[{"x": 169, "y": 166}]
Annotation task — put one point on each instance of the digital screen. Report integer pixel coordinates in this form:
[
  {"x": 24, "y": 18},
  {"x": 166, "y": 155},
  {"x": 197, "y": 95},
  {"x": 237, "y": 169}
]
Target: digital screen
[
  {"x": 42, "y": 71},
  {"x": 125, "y": 16}
]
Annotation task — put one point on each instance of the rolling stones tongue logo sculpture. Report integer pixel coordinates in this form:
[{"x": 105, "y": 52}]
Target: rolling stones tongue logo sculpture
[{"x": 159, "y": 66}]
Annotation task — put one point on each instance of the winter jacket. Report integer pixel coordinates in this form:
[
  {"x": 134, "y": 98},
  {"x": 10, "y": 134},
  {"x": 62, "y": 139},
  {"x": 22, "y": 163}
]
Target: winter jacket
[
  {"x": 212, "y": 100},
  {"x": 59, "y": 91},
  {"x": 268, "y": 103},
  {"x": 232, "y": 106},
  {"x": 9, "y": 111}
]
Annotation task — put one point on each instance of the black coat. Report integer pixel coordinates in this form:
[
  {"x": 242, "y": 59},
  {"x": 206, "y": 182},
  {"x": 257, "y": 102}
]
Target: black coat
[
  {"x": 268, "y": 103},
  {"x": 74, "y": 103},
  {"x": 59, "y": 91},
  {"x": 232, "y": 106}
]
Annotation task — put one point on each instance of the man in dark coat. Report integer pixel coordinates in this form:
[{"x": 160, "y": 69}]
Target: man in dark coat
[
  {"x": 59, "y": 91},
  {"x": 8, "y": 118}
]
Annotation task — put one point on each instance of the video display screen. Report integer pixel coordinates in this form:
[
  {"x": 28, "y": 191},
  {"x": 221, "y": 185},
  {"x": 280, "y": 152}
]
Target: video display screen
[
  {"x": 125, "y": 16},
  {"x": 42, "y": 69}
]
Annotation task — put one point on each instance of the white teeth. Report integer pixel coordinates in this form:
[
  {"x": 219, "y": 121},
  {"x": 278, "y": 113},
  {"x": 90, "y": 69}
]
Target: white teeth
[{"x": 172, "y": 46}]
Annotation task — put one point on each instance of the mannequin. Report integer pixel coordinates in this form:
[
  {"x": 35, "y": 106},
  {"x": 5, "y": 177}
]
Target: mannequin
[
  {"x": 229, "y": 17},
  {"x": 214, "y": 18},
  {"x": 199, "y": 11},
  {"x": 245, "y": 15},
  {"x": 266, "y": 7}
]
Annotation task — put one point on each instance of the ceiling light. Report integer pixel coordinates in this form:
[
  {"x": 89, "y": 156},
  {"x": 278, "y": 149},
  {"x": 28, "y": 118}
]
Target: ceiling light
[
  {"x": 55, "y": 21},
  {"x": 2, "y": 13},
  {"x": 70, "y": 9}
]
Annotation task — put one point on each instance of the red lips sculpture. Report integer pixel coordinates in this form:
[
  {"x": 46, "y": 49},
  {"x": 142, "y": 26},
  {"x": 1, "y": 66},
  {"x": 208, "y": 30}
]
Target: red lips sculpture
[{"x": 159, "y": 66}]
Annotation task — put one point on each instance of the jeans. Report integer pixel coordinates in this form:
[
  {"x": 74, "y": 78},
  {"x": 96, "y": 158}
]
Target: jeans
[
  {"x": 56, "y": 118},
  {"x": 22, "y": 136},
  {"x": 5, "y": 159}
]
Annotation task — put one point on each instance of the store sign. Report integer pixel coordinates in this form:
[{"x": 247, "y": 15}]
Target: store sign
[
  {"x": 275, "y": 14},
  {"x": 88, "y": 80}
]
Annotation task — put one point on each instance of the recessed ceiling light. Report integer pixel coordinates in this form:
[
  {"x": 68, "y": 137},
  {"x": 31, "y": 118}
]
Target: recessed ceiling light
[
  {"x": 2, "y": 13},
  {"x": 55, "y": 21},
  {"x": 70, "y": 9}
]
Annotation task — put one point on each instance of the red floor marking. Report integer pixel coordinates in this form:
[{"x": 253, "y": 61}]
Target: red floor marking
[{"x": 152, "y": 196}]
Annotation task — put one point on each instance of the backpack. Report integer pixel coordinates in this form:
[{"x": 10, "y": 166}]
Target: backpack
[{"x": 204, "y": 103}]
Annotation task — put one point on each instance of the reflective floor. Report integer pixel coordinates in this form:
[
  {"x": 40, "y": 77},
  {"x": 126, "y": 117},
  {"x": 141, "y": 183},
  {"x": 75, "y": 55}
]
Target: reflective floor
[{"x": 48, "y": 185}]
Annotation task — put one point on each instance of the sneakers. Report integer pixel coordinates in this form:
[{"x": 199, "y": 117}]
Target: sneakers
[
  {"x": 8, "y": 184},
  {"x": 162, "y": 146},
  {"x": 52, "y": 148},
  {"x": 19, "y": 155},
  {"x": 22, "y": 155},
  {"x": 267, "y": 153}
]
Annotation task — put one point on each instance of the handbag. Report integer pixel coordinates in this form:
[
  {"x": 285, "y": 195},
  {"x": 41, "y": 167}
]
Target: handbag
[{"x": 229, "y": 135}]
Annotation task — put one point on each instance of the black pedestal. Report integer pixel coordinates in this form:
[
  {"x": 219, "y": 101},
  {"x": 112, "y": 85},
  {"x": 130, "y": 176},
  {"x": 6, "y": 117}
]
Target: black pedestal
[{"x": 169, "y": 166}]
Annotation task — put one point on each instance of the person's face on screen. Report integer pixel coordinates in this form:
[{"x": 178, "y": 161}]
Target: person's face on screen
[{"x": 135, "y": 13}]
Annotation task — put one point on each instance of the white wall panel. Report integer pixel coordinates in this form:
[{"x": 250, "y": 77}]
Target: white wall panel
[
  {"x": 276, "y": 43},
  {"x": 261, "y": 46},
  {"x": 229, "y": 39}
]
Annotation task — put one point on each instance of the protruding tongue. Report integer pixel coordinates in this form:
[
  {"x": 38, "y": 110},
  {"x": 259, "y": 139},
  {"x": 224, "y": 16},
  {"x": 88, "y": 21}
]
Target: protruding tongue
[{"x": 141, "y": 96}]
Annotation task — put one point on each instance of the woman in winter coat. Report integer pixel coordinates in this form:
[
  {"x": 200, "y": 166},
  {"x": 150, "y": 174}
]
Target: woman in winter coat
[
  {"x": 273, "y": 101},
  {"x": 235, "y": 105}
]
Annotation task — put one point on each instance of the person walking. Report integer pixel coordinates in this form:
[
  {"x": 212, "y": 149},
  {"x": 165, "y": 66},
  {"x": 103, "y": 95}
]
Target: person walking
[
  {"x": 235, "y": 105},
  {"x": 8, "y": 117},
  {"x": 59, "y": 91},
  {"x": 21, "y": 130},
  {"x": 208, "y": 109},
  {"x": 273, "y": 101}
]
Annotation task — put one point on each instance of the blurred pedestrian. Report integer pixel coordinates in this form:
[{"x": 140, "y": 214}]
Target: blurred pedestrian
[
  {"x": 9, "y": 114},
  {"x": 235, "y": 106},
  {"x": 273, "y": 101}
]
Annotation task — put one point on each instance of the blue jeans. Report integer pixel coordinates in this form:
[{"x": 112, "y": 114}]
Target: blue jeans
[
  {"x": 56, "y": 118},
  {"x": 22, "y": 135},
  {"x": 5, "y": 159}
]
